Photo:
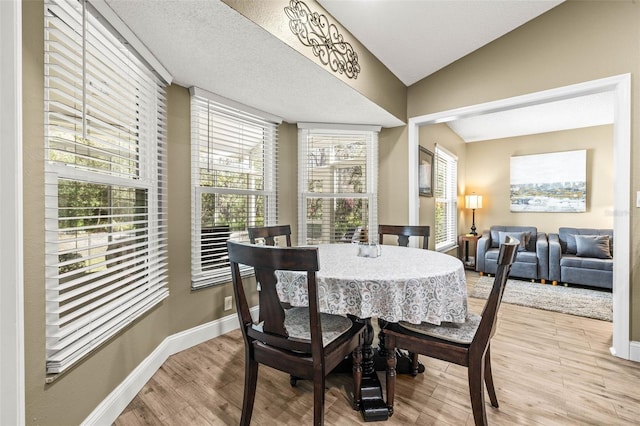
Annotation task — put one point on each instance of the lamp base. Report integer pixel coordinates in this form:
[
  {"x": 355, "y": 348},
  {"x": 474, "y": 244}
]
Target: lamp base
[{"x": 473, "y": 222}]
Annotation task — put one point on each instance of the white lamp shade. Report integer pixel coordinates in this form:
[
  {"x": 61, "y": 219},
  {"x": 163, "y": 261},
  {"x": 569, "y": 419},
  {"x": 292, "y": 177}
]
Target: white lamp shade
[{"x": 473, "y": 201}]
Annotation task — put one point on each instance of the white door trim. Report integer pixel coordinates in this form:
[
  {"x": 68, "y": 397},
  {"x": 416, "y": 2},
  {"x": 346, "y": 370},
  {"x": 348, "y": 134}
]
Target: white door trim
[
  {"x": 12, "y": 402},
  {"x": 620, "y": 86}
]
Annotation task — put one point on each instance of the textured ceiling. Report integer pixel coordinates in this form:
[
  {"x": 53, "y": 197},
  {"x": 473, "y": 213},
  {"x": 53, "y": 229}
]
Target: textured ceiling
[{"x": 205, "y": 43}]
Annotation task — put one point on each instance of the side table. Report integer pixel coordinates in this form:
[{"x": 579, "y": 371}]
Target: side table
[{"x": 463, "y": 253}]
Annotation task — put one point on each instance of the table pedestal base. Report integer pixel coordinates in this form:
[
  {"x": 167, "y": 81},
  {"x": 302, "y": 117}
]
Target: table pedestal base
[
  {"x": 372, "y": 402},
  {"x": 373, "y": 406}
]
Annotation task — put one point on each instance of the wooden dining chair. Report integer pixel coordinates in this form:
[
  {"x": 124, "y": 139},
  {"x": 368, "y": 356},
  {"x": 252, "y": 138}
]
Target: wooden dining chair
[
  {"x": 466, "y": 344},
  {"x": 300, "y": 341},
  {"x": 403, "y": 232},
  {"x": 269, "y": 233}
]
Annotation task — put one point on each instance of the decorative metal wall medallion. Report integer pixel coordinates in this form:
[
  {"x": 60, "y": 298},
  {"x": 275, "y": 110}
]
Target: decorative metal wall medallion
[{"x": 314, "y": 30}]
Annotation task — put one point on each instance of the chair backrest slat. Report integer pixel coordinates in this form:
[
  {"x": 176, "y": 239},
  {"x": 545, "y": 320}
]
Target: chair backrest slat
[
  {"x": 268, "y": 233},
  {"x": 487, "y": 327},
  {"x": 403, "y": 232},
  {"x": 271, "y": 311}
]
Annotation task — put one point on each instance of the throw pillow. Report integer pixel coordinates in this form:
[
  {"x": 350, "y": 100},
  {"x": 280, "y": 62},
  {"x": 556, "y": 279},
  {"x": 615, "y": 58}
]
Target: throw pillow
[
  {"x": 495, "y": 238},
  {"x": 520, "y": 236},
  {"x": 571, "y": 243},
  {"x": 593, "y": 246}
]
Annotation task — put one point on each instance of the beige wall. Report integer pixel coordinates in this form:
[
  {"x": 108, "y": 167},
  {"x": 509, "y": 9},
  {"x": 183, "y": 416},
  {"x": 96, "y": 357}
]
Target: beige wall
[
  {"x": 488, "y": 169},
  {"x": 574, "y": 42},
  {"x": 288, "y": 178},
  {"x": 393, "y": 176}
]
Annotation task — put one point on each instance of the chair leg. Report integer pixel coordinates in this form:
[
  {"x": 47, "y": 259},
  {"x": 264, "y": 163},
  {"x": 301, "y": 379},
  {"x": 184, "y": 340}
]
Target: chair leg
[
  {"x": 391, "y": 373},
  {"x": 357, "y": 377},
  {"x": 250, "y": 381},
  {"x": 476, "y": 391},
  {"x": 488, "y": 378},
  {"x": 318, "y": 398},
  {"x": 414, "y": 363}
]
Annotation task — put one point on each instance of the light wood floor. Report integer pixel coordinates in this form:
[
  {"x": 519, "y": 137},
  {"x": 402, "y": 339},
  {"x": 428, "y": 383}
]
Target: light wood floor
[{"x": 549, "y": 369}]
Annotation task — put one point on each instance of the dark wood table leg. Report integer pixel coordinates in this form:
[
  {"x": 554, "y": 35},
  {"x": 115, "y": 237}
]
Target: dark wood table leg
[{"x": 374, "y": 408}]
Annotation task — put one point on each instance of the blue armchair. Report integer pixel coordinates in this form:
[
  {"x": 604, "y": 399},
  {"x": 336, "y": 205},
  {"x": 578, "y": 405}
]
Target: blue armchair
[
  {"x": 532, "y": 260},
  {"x": 581, "y": 256}
]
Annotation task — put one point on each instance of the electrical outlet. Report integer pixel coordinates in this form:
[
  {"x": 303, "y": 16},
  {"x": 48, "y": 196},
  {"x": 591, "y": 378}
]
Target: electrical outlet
[{"x": 227, "y": 303}]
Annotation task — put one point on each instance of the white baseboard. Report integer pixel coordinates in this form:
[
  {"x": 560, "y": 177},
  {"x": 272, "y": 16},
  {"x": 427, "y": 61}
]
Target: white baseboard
[
  {"x": 112, "y": 406},
  {"x": 634, "y": 351}
]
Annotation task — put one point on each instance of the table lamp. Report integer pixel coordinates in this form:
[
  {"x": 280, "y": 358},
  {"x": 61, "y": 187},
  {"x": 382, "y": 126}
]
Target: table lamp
[{"x": 473, "y": 202}]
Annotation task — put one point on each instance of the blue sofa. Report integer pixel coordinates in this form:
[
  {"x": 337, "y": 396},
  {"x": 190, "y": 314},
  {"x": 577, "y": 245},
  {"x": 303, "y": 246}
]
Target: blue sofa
[
  {"x": 532, "y": 260},
  {"x": 581, "y": 256}
]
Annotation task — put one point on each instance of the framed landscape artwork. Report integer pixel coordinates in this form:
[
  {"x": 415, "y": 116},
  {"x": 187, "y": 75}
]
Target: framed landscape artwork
[
  {"x": 554, "y": 182},
  {"x": 425, "y": 172}
]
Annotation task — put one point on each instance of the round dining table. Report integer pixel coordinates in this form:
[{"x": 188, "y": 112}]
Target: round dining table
[
  {"x": 394, "y": 284},
  {"x": 401, "y": 284}
]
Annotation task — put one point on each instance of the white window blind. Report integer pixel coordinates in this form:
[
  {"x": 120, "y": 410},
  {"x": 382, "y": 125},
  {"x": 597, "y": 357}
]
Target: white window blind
[
  {"x": 337, "y": 184},
  {"x": 234, "y": 180},
  {"x": 105, "y": 188},
  {"x": 446, "y": 183}
]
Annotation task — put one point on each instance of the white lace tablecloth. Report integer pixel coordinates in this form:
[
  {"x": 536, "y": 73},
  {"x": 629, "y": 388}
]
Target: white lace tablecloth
[{"x": 403, "y": 284}]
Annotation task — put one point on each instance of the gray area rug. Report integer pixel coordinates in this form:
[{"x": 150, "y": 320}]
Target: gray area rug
[{"x": 569, "y": 300}]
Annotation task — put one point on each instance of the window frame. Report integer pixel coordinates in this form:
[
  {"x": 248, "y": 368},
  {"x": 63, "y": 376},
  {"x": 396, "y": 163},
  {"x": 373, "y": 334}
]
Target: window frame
[
  {"x": 109, "y": 296},
  {"x": 446, "y": 195},
  {"x": 223, "y": 109},
  {"x": 370, "y": 134}
]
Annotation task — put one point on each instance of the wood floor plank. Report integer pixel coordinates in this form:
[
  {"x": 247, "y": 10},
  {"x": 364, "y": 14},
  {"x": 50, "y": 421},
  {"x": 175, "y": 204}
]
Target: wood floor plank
[
  {"x": 162, "y": 400},
  {"x": 187, "y": 416},
  {"x": 434, "y": 413},
  {"x": 211, "y": 403},
  {"x": 549, "y": 369}
]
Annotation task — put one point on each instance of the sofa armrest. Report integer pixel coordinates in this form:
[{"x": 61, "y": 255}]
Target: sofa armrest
[
  {"x": 555, "y": 253},
  {"x": 542, "y": 253},
  {"x": 484, "y": 243}
]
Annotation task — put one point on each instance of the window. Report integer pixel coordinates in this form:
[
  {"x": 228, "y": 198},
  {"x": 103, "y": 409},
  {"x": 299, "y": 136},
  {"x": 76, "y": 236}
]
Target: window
[
  {"x": 234, "y": 180},
  {"x": 337, "y": 184},
  {"x": 446, "y": 183},
  {"x": 106, "y": 259}
]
